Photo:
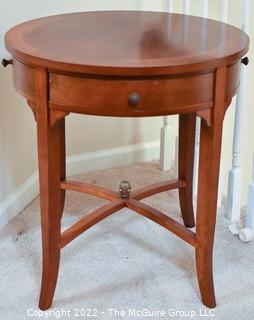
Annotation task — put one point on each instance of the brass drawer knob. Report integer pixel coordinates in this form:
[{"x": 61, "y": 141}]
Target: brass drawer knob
[
  {"x": 134, "y": 99},
  {"x": 125, "y": 189}
]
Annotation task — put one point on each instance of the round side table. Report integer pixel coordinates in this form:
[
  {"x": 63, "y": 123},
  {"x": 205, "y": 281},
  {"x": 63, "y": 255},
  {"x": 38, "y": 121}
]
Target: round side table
[{"x": 128, "y": 64}]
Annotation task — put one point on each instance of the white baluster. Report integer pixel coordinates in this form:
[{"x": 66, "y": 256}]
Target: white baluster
[
  {"x": 186, "y": 10},
  {"x": 196, "y": 158},
  {"x": 204, "y": 14},
  {"x": 204, "y": 8},
  {"x": 170, "y": 4},
  {"x": 166, "y": 131},
  {"x": 224, "y": 18},
  {"x": 224, "y": 11},
  {"x": 186, "y": 6},
  {"x": 250, "y": 206},
  {"x": 166, "y": 145},
  {"x": 235, "y": 175},
  {"x": 246, "y": 16},
  {"x": 176, "y": 157},
  {"x": 247, "y": 234}
]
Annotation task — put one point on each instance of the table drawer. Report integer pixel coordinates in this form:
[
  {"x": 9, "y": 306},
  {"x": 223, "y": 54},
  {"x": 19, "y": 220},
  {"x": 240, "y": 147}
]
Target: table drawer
[{"x": 112, "y": 96}]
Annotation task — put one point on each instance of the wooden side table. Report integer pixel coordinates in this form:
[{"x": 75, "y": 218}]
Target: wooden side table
[{"x": 128, "y": 64}]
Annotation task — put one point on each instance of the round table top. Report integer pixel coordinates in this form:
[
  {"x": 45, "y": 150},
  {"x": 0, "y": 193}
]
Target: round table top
[{"x": 126, "y": 43}]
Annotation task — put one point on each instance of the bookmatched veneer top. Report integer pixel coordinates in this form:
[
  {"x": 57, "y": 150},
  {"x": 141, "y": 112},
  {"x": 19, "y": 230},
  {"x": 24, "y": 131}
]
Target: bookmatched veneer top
[{"x": 126, "y": 43}]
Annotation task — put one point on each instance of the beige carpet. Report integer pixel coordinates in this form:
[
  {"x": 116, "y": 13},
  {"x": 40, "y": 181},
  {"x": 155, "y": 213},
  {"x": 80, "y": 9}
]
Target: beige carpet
[{"x": 126, "y": 262}]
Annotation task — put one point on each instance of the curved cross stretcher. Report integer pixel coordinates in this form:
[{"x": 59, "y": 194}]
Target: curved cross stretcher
[{"x": 132, "y": 202}]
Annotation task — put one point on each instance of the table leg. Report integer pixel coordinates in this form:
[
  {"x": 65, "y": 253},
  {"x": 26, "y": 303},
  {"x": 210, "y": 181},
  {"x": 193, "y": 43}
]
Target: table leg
[
  {"x": 210, "y": 148},
  {"x": 187, "y": 124},
  {"x": 51, "y": 154},
  {"x": 52, "y": 203}
]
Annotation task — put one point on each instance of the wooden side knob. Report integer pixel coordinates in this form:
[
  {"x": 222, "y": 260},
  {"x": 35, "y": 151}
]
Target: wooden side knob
[
  {"x": 245, "y": 61},
  {"x": 6, "y": 62}
]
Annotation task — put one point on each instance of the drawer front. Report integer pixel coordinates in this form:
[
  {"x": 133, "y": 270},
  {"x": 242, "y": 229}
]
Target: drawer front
[{"x": 112, "y": 96}]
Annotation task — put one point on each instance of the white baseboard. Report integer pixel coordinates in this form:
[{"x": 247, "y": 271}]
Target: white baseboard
[
  {"x": 110, "y": 158},
  {"x": 18, "y": 200},
  {"x": 78, "y": 164}
]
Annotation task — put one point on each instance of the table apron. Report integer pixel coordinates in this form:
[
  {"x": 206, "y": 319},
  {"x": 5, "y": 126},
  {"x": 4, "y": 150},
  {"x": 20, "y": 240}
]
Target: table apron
[{"x": 110, "y": 96}]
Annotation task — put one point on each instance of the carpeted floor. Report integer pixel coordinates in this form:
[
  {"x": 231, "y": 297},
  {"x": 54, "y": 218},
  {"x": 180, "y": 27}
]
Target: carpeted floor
[{"x": 126, "y": 263}]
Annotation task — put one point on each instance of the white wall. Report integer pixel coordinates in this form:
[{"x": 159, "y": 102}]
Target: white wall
[{"x": 18, "y": 157}]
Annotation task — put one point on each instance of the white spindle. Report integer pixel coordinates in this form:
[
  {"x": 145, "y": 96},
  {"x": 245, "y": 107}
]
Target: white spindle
[
  {"x": 166, "y": 145},
  {"x": 224, "y": 11},
  {"x": 204, "y": 8},
  {"x": 246, "y": 16},
  {"x": 176, "y": 157},
  {"x": 247, "y": 233},
  {"x": 166, "y": 131},
  {"x": 196, "y": 158},
  {"x": 204, "y": 14},
  {"x": 250, "y": 206},
  {"x": 235, "y": 175},
  {"x": 170, "y": 4},
  {"x": 186, "y": 6},
  {"x": 224, "y": 18},
  {"x": 186, "y": 10}
]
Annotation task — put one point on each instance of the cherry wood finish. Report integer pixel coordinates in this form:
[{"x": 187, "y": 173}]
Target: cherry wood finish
[
  {"x": 156, "y": 95},
  {"x": 210, "y": 148},
  {"x": 90, "y": 220},
  {"x": 128, "y": 64},
  {"x": 162, "y": 219},
  {"x": 152, "y": 189},
  {"x": 50, "y": 168},
  {"x": 130, "y": 43},
  {"x": 89, "y": 189}
]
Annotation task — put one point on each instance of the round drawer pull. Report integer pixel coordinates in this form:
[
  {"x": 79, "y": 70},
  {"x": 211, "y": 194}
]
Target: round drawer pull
[{"x": 134, "y": 99}]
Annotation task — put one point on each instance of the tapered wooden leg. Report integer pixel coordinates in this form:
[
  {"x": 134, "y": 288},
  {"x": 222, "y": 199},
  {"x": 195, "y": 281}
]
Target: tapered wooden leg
[
  {"x": 210, "y": 148},
  {"x": 187, "y": 125},
  {"x": 51, "y": 172},
  {"x": 52, "y": 203}
]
